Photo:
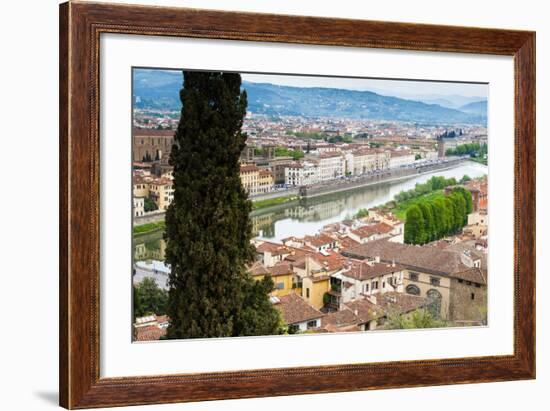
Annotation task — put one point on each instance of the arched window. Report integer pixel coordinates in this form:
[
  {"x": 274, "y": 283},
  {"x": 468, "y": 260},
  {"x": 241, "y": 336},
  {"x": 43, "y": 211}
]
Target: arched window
[
  {"x": 412, "y": 289},
  {"x": 435, "y": 302}
]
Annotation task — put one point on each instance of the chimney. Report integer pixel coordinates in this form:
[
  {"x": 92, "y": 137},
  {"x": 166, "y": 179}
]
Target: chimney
[{"x": 377, "y": 259}]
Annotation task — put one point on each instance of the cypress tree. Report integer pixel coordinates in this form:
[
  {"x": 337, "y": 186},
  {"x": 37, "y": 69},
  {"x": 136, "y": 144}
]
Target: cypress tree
[
  {"x": 459, "y": 210},
  {"x": 438, "y": 213},
  {"x": 468, "y": 199},
  {"x": 414, "y": 226},
  {"x": 208, "y": 230},
  {"x": 429, "y": 224}
]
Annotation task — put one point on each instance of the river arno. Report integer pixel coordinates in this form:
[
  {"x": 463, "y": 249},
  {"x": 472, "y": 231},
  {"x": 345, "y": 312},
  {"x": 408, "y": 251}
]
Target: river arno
[{"x": 308, "y": 216}]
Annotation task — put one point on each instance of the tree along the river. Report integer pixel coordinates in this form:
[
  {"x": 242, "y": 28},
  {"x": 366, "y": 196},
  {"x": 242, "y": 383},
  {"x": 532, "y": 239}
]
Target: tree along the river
[
  {"x": 414, "y": 227},
  {"x": 430, "y": 232},
  {"x": 468, "y": 199},
  {"x": 429, "y": 220},
  {"x": 208, "y": 230},
  {"x": 149, "y": 298}
]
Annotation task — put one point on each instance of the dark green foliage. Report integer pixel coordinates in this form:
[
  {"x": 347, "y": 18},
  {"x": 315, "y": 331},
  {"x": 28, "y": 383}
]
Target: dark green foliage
[
  {"x": 208, "y": 230},
  {"x": 459, "y": 210},
  {"x": 285, "y": 152},
  {"x": 473, "y": 150},
  {"x": 258, "y": 317},
  {"x": 433, "y": 184},
  {"x": 339, "y": 139},
  {"x": 439, "y": 217},
  {"x": 429, "y": 223},
  {"x": 468, "y": 198},
  {"x": 465, "y": 178},
  {"x": 363, "y": 212},
  {"x": 149, "y": 298},
  {"x": 149, "y": 205},
  {"x": 420, "y": 318},
  {"x": 414, "y": 227}
]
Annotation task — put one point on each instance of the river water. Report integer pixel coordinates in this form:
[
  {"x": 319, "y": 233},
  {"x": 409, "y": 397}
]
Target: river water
[{"x": 308, "y": 216}]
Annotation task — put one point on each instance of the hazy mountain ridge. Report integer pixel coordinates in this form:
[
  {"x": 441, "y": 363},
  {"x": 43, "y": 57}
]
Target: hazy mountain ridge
[
  {"x": 160, "y": 90},
  {"x": 477, "y": 107}
]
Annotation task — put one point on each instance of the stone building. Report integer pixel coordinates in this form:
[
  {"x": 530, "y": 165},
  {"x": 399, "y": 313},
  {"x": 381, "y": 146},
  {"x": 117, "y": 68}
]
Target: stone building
[
  {"x": 150, "y": 145},
  {"x": 434, "y": 273}
]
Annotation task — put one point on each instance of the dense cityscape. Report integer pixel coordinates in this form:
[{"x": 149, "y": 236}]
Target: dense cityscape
[{"x": 418, "y": 260}]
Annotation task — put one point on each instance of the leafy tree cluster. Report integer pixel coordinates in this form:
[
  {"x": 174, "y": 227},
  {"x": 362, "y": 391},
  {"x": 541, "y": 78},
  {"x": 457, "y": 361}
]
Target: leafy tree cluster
[
  {"x": 433, "y": 184},
  {"x": 307, "y": 134},
  {"x": 451, "y": 134},
  {"x": 285, "y": 152},
  {"x": 149, "y": 299},
  {"x": 420, "y": 318},
  {"x": 149, "y": 205},
  {"x": 339, "y": 139},
  {"x": 363, "y": 212},
  {"x": 208, "y": 230},
  {"x": 471, "y": 149},
  {"x": 429, "y": 220}
]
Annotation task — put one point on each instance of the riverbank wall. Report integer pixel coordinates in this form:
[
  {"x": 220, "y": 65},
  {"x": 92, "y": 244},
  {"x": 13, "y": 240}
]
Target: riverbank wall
[
  {"x": 153, "y": 217},
  {"x": 329, "y": 187},
  {"x": 384, "y": 177}
]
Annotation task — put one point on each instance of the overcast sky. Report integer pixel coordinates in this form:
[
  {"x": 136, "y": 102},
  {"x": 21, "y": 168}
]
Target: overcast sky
[{"x": 398, "y": 88}]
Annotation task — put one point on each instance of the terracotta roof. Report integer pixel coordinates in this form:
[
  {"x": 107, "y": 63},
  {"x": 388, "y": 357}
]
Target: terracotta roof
[
  {"x": 295, "y": 309},
  {"x": 249, "y": 168},
  {"x": 319, "y": 240},
  {"x": 319, "y": 278},
  {"x": 342, "y": 320},
  {"x": 149, "y": 132},
  {"x": 149, "y": 333},
  {"x": 428, "y": 259},
  {"x": 257, "y": 269},
  {"x": 274, "y": 249},
  {"x": 370, "y": 230},
  {"x": 475, "y": 275},
  {"x": 281, "y": 268},
  {"x": 400, "y": 302},
  {"x": 365, "y": 310},
  {"x": 364, "y": 271}
]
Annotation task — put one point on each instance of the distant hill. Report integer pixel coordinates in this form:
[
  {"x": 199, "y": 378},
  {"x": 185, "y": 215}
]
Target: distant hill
[
  {"x": 477, "y": 108},
  {"x": 160, "y": 89}
]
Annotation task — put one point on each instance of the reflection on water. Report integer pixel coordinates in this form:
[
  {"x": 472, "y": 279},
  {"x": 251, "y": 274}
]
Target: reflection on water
[{"x": 310, "y": 215}]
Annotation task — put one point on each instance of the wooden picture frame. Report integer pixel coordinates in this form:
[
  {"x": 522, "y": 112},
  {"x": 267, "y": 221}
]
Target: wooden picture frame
[{"x": 80, "y": 27}]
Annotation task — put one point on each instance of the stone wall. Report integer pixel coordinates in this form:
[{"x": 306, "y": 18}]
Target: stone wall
[{"x": 464, "y": 309}]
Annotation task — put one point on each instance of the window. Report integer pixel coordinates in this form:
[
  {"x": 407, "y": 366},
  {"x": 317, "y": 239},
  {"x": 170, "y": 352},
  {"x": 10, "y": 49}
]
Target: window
[
  {"x": 460, "y": 281},
  {"x": 434, "y": 281},
  {"x": 473, "y": 296},
  {"x": 280, "y": 286},
  {"x": 412, "y": 289},
  {"x": 375, "y": 285},
  {"x": 435, "y": 298},
  {"x": 413, "y": 276},
  {"x": 383, "y": 284},
  {"x": 307, "y": 292},
  {"x": 477, "y": 285},
  {"x": 366, "y": 288},
  {"x": 311, "y": 324}
]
